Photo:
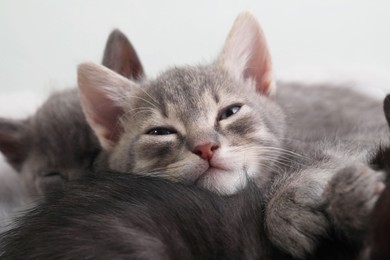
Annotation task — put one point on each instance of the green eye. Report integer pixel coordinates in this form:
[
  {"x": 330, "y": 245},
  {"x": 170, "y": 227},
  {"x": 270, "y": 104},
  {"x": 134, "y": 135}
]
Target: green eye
[
  {"x": 161, "y": 131},
  {"x": 229, "y": 111}
]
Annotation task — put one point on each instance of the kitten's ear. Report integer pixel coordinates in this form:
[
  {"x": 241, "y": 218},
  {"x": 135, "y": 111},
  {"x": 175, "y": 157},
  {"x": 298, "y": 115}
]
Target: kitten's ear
[
  {"x": 121, "y": 57},
  {"x": 386, "y": 108},
  {"x": 101, "y": 93},
  {"x": 13, "y": 143},
  {"x": 245, "y": 54}
]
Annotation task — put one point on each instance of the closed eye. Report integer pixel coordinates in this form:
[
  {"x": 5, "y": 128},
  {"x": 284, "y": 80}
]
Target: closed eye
[
  {"x": 161, "y": 131},
  {"x": 54, "y": 174},
  {"x": 229, "y": 111}
]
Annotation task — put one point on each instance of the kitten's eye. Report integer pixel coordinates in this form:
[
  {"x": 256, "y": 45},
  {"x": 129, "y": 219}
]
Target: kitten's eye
[
  {"x": 229, "y": 111},
  {"x": 161, "y": 131},
  {"x": 53, "y": 174}
]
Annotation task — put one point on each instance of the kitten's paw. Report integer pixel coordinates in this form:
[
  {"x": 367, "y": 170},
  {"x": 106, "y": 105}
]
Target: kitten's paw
[
  {"x": 351, "y": 195},
  {"x": 295, "y": 221}
]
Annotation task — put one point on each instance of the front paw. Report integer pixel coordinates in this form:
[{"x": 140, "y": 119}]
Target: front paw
[
  {"x": 350, "y": 197},
  {"x": 295, "y": 221}
]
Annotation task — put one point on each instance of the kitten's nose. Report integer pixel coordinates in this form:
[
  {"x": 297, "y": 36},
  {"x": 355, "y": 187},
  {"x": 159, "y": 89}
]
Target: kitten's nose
[{"x": 205, "y": 151}]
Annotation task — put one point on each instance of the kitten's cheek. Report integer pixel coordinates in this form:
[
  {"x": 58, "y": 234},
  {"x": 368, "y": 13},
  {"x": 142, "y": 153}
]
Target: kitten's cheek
[
  {"x": 194, "y": 169},
  {"x": 225, "y": 164}
]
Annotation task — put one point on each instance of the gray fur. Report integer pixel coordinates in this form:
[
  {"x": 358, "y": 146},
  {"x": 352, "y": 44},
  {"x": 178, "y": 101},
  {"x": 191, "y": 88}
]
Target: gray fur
[
  {"x": 299, "y": 170},
  {"x": 165, "y": 100},
  {"x": 335, "y": 130},
  {"x": 318, "y": 112},
  {"x": 53, "y": 146},
  {"x": 56, "y": 144},
  {"x": 47, "y": 150},
  {"x": 328, "y": 136}
]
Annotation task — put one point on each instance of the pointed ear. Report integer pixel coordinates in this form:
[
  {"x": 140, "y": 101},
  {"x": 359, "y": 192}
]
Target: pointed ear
[
  {"x": 13, "y": 142},
  {"x": 386, "y": 108},
  {"x": 121, "y": 57},
  {"x": 245, "y": 54},
  {"x": 101, "y": 94}
]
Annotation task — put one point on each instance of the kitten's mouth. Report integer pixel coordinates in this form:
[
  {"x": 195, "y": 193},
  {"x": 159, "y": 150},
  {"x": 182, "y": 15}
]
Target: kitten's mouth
[{"x": 210, "y": 171}]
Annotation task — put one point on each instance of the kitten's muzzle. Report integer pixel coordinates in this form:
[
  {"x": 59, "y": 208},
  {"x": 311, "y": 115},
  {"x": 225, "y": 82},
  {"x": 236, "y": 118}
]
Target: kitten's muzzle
[{"x": 205, "y": 151}]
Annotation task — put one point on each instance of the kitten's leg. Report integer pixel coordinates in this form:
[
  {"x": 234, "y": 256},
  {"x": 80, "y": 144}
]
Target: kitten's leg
[
  {"x": 295, "y": 218},
  {"x": 300, "y": 204},
  {"x": 350, "y": 197}
]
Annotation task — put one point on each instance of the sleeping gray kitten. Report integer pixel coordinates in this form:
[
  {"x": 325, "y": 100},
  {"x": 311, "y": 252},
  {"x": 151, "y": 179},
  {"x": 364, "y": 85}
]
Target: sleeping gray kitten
[
  {"x": 219, "y": 125},
  {"x": 56, "y": 144},
  {"x": 51, "y": 147}
]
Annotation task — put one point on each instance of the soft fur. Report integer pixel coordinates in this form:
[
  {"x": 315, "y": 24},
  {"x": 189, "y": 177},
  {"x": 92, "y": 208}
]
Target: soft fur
[
  {"x": 190, "y": 102},
  {"x": 220, "y": 126},
  {"x": 334, "y": 113},
  {"x": 117, "y": 216},
  {"x": 56, "y": 144},
  {"x": 53, "y": 146}
]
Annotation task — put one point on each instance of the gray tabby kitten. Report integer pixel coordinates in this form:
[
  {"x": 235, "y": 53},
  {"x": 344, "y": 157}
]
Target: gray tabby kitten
[
  {"x": 220, "y": 125},
  {"x": 56, "y": 144}
]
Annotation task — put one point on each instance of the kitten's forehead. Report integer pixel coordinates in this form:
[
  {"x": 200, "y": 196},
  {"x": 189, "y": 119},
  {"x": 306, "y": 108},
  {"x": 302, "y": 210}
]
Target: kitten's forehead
[{"x": 194, "y": 89}]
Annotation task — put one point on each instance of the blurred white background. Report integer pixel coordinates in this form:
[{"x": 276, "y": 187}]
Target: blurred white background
[{"x": 42, "y": 41}]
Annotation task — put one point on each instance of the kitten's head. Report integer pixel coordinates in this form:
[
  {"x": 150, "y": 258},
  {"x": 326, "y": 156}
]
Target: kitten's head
[
  {"x": 213, "y": 125},
  {"x": 56, "y": 144},
  {"x": 53, "y": 146}
]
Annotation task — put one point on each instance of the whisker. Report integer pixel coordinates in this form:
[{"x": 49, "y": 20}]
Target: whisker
[
  {"x": 283, "y": 150},
  {"x": 143, "y": 99},
  {"x": 144, "y": 91}
]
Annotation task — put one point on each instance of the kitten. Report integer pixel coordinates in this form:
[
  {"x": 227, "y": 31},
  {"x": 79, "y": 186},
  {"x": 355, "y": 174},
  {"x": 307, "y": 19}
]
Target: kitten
[
  {"x": 124, "y": 216},
  {"x": 53, "y": 146},
  {"x": 56, "y": 144},
  {"x": 219, "y": 126},
  {"x": 185, "y": 116}
]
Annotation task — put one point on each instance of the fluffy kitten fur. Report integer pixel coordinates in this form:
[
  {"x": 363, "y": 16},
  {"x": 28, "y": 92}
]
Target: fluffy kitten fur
[
  {"x": 125, "y": 216},
  {"x": 334, "y": 113},
  {"x": 219, "y": 125},
  {"x": 56, "y": 144},
  {"x": 174, "y": 121}
]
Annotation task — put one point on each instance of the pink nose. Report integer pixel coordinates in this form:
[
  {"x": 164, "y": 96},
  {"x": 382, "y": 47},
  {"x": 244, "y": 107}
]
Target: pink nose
[{"x": 205, "y": 151}]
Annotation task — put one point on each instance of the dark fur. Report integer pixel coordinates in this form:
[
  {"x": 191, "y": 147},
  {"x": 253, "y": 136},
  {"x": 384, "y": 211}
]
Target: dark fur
[
  {"x": 378, "y": 239},
  {"x": 381, "y": 158},
  {"x": 306, "y": 199},
  {"x": 118, "y": 216},
  {"x": 121, "y": 57},
  {"x": 379, "y": 235}
]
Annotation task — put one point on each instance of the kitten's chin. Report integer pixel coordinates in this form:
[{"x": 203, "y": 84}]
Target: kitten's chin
[{"x": 222, "y": 182}]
